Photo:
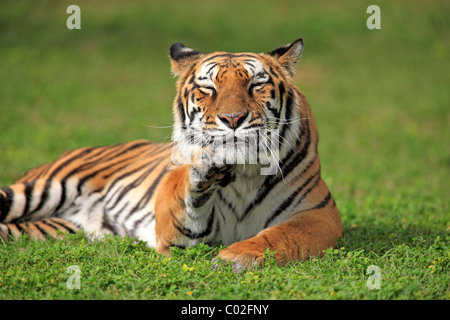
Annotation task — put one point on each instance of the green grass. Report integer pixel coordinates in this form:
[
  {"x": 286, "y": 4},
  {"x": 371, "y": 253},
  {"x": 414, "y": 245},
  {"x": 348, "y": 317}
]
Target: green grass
[
  {"x": 380, "y": 99},
  {"x": 118, "y": 268}
]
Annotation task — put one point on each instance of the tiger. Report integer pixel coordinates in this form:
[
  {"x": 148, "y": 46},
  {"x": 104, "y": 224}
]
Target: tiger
[{"x": 220, "y": 181}]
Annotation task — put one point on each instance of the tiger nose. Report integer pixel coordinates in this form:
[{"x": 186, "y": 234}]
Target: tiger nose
[{"x": 233, "y": 121}]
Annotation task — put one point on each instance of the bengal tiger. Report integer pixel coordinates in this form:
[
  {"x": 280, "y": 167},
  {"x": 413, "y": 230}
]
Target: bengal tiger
[{"x": 208, "y": 185}]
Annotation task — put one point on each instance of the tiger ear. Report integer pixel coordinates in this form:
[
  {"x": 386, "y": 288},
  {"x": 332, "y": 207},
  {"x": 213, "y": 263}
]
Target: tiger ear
[
  {"x": 182, "y": 57},
  {"x": 288, "y": 55}
]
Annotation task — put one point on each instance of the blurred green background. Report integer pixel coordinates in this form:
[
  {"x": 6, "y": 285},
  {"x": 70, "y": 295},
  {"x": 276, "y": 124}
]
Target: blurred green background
[{"x": 380, "y": 97}]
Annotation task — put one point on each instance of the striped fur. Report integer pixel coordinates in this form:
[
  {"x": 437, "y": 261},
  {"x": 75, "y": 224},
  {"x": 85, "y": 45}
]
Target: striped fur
[{"x": 184, "y": 193}]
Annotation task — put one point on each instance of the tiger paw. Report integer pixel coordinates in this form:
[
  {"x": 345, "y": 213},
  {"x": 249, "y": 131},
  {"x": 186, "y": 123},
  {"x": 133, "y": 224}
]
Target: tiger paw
[
  {"x": 239, "y": 260},
  {"x": 202, "y": 177}
]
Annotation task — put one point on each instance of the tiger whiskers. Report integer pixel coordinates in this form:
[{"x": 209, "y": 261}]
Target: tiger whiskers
[
  {"x": 274, "y": 153},
  {"x": 287, "y": 121},
  {"x": 190, "y": 148}
]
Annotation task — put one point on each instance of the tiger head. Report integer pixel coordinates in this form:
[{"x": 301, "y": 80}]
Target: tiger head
[{"x": 238, "y": 106}]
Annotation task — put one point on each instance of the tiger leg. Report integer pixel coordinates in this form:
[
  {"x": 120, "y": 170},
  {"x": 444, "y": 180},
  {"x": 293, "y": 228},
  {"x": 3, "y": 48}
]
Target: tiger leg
[
  {"x": 305, "y": 234},
  {"x": 35, "y": 199},
  {"x": 37, "y": 230},
  {"x": 28, "y": 207},
  {"x": 183, "y": 210}
]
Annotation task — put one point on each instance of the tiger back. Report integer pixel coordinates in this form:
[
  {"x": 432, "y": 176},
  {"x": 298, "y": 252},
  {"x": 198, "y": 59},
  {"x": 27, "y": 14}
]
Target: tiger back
[{"x": 242, "y": 170}]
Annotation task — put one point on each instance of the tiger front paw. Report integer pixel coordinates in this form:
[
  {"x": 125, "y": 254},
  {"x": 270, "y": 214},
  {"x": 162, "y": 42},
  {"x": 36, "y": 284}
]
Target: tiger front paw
[
  {"x": 241, "y": 257},
  {"x": 203, "y": 177}
]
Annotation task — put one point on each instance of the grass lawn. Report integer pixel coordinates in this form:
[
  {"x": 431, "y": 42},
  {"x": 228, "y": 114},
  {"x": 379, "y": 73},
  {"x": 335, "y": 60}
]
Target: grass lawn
[{"x": 380, "y": 98}]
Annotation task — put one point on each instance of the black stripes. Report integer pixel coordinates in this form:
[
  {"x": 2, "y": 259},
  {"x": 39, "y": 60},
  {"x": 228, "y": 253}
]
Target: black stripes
[
  {"x": 195, "y": 111},
  {"x": 119, "y": 180},
  {"x": 181, "y": 109},
  {"x": 144, "y": 200},
  {"x": 116, "y": 158},
  {"x": 74, "y": 186},
  {"x": 228, "y": 204},
  {"x": 5, "y": 202},
  {"x": 38, "y": 229},
  {"x": 130, "y": 186},
  {"x": 228, "y": 56},
  {"x": 282, "y": 90},
  {"x": 324, "y": 202},
  {"x": 292, "y": 160},
  {"x": 61, "y": 224},
  {"x": 287, "y": 113},
  {"x": 29, "y": 187},
  {"x": 194, "y": 235},
  {"x": 199, "y": 201},
  {"x": 75, "y": 155},
  {"x": 120, "y": 200},
  {"x": 299, "y": 192}
]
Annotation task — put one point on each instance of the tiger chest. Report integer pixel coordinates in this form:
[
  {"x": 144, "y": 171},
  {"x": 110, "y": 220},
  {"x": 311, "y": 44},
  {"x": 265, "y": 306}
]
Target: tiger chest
[{"x": 237, "y": 216}]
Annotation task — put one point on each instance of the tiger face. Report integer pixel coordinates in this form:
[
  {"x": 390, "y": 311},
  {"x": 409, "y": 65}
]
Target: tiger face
[{"x": 238, "y": 108}]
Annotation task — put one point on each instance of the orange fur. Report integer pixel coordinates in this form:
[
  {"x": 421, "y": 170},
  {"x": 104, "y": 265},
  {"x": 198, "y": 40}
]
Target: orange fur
[
  {"x": 169, "y": 208},
  {"x": 306, "y": 234}
]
